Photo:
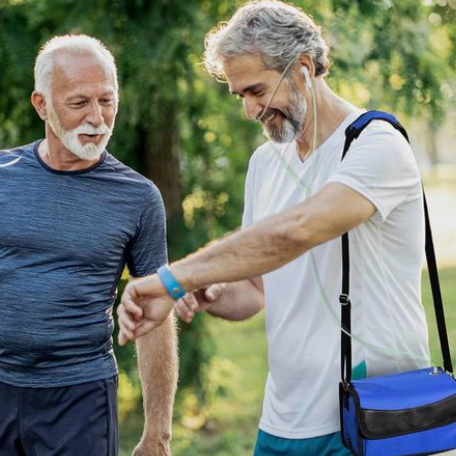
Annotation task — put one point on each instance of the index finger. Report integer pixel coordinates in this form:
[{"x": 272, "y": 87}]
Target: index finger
[{"x": 132, "y": 308}]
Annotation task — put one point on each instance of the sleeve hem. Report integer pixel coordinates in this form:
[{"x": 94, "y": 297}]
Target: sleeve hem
[
  {"x": 139, "y": 274},
  {"x": 362, "y": 189}
]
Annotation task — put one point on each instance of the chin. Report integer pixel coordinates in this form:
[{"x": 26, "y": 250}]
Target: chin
[
  {"x": 87, "y": 151},
  {"x": 282, "y": 135}
]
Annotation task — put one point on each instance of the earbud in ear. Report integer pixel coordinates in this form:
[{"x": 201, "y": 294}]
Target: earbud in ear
[{"x": 305, "y": 73}]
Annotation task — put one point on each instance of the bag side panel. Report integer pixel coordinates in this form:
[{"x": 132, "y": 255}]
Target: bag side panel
[
  {"x": 421, "y": 443},
  {"x": 351, "y": 435}
]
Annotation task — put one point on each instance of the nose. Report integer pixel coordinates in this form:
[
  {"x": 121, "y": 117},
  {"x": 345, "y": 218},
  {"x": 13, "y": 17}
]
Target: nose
[
  {"x": 252, "y": 108},
  {"x": 95, "y": 115}
]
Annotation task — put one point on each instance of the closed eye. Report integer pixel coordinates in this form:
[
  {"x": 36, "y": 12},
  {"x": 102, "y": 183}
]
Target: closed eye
[{"x": 78, "y": 104}]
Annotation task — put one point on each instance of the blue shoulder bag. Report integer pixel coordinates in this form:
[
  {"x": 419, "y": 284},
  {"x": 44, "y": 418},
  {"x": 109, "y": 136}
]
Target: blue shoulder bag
[{"x": 404, "y": 414}]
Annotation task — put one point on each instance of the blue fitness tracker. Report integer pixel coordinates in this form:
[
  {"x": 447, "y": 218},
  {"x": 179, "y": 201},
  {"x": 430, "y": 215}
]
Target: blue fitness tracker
[{"x": 173, "y": 287}]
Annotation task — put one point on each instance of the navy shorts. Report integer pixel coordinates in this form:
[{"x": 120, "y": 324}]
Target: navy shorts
[{"x": 79, "y": 420}]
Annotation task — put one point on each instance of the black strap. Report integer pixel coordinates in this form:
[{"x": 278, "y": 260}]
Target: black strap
[
  {"x": 345, "y": 312},
  {"x": 436, "y": 292},
  {"x": 351, "y": 133}
]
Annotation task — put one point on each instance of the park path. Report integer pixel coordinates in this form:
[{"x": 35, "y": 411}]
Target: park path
[{"x": 442, "y": 210}]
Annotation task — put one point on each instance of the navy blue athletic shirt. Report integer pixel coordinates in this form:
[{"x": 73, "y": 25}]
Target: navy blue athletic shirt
[{"x": 65, "y": 237}]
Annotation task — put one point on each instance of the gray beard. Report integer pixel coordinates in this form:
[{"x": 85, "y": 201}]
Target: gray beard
[{"x": 293, "y": 124}]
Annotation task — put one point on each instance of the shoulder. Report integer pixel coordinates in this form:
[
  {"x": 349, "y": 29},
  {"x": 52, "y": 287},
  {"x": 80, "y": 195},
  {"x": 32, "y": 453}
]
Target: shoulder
[
  {"x": 381, "y": 133},
  {"x": 381, "y": 146},
  {"x": 134, "y": 180},
  {"x": 263, "y": 155},
  {"x": 19, "y": 150},
  {"x": 15, "y": 155},
  {"x": 264, "y": 151}
]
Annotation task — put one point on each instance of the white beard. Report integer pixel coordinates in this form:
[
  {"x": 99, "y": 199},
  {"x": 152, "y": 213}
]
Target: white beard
[{"x": 70, "y": 140}]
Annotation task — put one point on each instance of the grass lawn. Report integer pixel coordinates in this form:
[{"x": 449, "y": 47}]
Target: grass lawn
[
  {"x": 241, "y": 363},
  {"x": 448, "y": 284}
]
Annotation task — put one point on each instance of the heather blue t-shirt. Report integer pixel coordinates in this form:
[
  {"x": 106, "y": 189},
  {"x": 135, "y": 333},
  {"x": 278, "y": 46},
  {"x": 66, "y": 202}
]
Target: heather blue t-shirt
[{"x": 65, "y": 237}]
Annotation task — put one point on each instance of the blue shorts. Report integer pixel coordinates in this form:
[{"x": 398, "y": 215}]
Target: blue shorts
[
  {"x": 79, "y": 420},
  {"x": 326, "y": 445}
]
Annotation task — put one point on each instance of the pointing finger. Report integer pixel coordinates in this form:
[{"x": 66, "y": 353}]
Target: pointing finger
[{"x": 132, "y": 308}]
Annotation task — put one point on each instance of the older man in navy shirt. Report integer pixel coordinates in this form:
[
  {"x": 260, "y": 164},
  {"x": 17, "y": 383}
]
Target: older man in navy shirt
[{"x": 72, "y": 217}]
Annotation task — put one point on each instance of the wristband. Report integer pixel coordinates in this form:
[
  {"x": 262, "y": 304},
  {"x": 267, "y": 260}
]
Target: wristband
[{"x": 172, "y": 286}]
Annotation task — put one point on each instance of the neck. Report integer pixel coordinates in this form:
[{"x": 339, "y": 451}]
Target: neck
[
  {"x": 57, "y": 157},
  {"x": 331, "y": 111}
]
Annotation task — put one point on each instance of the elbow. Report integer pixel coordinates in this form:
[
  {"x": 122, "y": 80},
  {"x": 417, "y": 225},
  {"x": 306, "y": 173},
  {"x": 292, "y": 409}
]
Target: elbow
[
  {"x": 296, "y": 236},
  {"x": 260, "y": 304}
]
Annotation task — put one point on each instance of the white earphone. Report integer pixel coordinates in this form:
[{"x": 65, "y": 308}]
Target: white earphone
[{"x": 305, "y": 73}]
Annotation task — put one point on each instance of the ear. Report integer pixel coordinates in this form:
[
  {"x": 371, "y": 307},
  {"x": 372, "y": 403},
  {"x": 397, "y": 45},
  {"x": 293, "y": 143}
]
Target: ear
[
  {"x": 306, "y": 60},
  {"x": 39, "y": 103}
]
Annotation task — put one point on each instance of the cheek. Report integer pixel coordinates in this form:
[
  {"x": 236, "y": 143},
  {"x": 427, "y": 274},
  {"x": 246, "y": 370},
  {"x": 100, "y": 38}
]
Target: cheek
[
  {"x": 109, "y": 114},
  {"x": 70, "y": 119}
]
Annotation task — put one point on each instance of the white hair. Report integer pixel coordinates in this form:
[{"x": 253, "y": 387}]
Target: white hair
[
  {"x": 276, "y": 31},
  {"x": 73, "y": 45}
]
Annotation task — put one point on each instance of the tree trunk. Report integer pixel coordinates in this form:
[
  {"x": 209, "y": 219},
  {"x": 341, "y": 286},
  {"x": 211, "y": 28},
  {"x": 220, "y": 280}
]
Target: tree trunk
[{"x": 159, "y": 157}]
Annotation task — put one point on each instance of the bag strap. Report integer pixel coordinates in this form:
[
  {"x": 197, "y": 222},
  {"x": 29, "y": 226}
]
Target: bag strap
[{"x": 351, "y": 133}]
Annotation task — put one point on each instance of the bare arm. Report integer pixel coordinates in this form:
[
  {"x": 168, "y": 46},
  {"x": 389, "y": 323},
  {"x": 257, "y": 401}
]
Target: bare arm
[
  {"x": 158, "y": 369},
  {"x": 252, "y": 252},
  {"x": 235, "y": 301},
  {"x": 277, "y": 240}
]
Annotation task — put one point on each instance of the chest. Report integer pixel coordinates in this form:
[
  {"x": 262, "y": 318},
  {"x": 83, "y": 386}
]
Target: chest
[
  {"x": 61, "y": 219},
  {"x": 283, "y": 182}
]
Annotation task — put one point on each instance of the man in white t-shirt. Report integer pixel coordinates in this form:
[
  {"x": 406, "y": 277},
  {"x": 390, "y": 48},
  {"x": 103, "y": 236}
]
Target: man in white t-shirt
[{"x": 300, "y": 198}]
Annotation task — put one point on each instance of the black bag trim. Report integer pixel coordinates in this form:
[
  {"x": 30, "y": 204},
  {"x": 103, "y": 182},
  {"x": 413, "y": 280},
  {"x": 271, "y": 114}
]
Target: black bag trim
[{"x": 380, "y": 424}]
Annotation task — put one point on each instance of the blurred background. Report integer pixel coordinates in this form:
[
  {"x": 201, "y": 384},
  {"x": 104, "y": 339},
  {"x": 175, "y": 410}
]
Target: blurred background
[{"x": 185, "y": 132}]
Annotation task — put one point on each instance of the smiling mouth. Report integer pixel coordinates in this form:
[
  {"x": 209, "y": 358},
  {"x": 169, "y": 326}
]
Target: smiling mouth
[
  {"x": 91, "y": 137},
  {"x": 271, "y": 116}
]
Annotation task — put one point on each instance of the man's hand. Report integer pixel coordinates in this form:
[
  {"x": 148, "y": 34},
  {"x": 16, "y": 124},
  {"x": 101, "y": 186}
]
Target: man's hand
[
  {"x": 144, "y": 306},
  {"x": 152, "y": 448},
  {"x": 198, "y": 301}
]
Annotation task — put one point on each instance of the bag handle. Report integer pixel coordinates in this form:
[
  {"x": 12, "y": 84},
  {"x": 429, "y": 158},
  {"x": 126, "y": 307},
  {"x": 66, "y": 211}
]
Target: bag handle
[{"x": 351, "y": 133}]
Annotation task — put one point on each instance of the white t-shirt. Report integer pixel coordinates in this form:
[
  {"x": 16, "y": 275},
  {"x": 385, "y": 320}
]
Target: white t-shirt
[{"x": 386, "y": 256}]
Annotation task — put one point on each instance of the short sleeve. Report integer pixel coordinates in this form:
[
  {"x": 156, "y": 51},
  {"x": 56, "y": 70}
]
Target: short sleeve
[
  {"x": 147, "y": 250},
  {"x": 380, "y": 165},
  {"x": 247, "y": 217}
]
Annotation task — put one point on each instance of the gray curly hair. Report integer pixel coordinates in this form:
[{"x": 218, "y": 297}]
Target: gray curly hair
[{"x": 277, "y": 31}]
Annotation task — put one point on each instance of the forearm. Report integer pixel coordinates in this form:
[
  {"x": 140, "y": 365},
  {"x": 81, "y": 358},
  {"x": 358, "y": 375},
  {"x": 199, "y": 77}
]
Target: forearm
[
  {"x": 248, "y": 253},
  {"x": 158, "y": 368},
  {"x": 239, "y": 301},
  {"x": 272, "y": 243},
  {"x": 269, "y": 244}
]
